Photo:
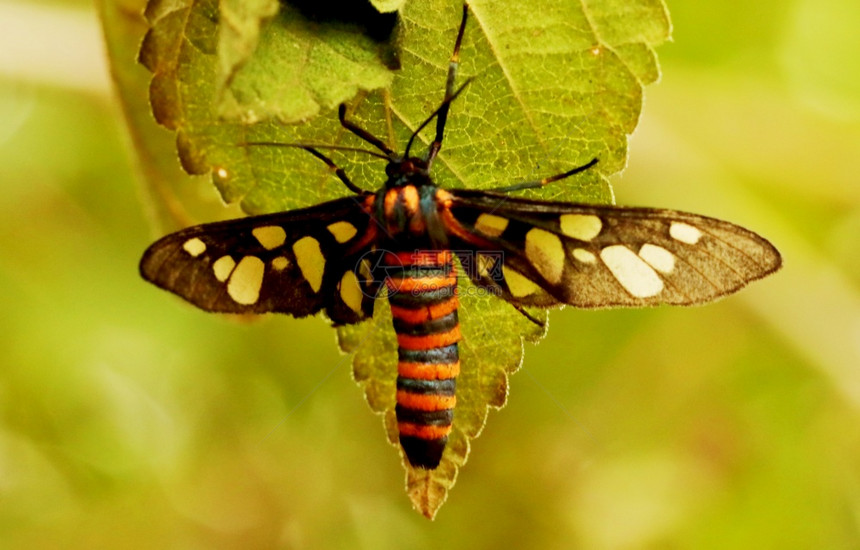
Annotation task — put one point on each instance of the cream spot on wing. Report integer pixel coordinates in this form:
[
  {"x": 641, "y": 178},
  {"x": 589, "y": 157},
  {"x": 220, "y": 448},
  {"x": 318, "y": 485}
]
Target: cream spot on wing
[
  {"x": 583, "y": 227},
  {"x": 342, "y": 231},
  {"x": 490, "y": 225},
  {"x": 270, "y": 236},
  {"x": 280, "y": 263},
  {"x": 584, "y": 256},
  {"x": 518, "y": 284},
  {"x": 486, "y": 264},
  {"x": 350, "y": 291},
  {"x": 311, "y": 261},
  {"x": 247, "y": 279},
  {"x": 658, "y": 257},
  {"x": 223, "y": 267},
  {"x": 684, "y": 232},
  {"x": 194, "y": 247},
  {"x": 546, "y": 253},
  {"x": 631, "y": 271},
  {"x": 364, "y": 269}
]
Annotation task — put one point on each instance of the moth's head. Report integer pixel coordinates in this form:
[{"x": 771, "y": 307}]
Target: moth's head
[{"x": 407, "y": 171}]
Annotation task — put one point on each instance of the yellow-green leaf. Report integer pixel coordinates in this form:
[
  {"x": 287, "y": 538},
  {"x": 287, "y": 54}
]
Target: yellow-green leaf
[
  {"x": 239, "y": 34},
  {"x": 300, "y": 67},
  {"x": 384, "y": 6}
]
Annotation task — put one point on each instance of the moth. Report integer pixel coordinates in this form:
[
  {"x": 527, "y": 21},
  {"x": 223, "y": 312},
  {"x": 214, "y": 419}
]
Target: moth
[{"x": 408, "y": 238}]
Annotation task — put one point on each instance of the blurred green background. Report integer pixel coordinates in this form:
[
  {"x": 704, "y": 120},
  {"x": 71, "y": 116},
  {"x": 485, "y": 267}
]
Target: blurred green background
[{"x": 130, "y": 420}]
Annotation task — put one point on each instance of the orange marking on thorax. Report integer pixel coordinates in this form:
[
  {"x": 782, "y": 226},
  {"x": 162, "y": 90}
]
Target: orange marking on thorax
[
  {"x": 412, "y": 204},
  {"x": 429, "y": 341},
  {"x": 425, "y": 402},
  {"x": 409, "y": 194},
  {"x": 444, "y": 198},
  {"x": 428, "y": 371},
  {"x": 389, "y": 202},
  {"x": 417, "y": 225}
]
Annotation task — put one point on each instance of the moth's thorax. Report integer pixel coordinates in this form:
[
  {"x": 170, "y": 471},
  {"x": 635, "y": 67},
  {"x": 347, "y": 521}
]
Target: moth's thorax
[{"x": 410, "y": 214}]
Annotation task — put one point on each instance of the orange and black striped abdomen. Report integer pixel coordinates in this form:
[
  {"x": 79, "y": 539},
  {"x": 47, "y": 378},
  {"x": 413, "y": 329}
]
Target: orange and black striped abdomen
[{"x": 422, "y": 291}]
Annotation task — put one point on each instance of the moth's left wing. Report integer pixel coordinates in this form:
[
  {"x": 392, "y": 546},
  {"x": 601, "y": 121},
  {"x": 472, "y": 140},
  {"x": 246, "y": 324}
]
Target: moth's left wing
[
  {"x": 543, "y": 254},
  {"x": 297, "y": 262}
]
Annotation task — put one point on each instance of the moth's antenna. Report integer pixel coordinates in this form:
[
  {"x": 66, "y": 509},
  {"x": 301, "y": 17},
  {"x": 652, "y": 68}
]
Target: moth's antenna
[
  {"x": 364, "y": 134},
  {"x": 453, "y": 65},
  {"x": 307, "y": 146},
  {"x": 450, "y": 95},
  {"x": 445, "y": 104}
]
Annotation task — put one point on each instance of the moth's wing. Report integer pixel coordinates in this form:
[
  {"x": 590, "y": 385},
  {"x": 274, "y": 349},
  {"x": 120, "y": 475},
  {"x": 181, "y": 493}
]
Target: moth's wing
[
  {"x": 297, "y": 262},
  {"x": 539, "y": 253}
]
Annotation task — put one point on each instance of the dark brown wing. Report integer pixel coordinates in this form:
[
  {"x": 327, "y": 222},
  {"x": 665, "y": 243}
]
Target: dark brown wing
[
  {"x": 297, "y": 262},
  {"x": 542, "y": 254}
]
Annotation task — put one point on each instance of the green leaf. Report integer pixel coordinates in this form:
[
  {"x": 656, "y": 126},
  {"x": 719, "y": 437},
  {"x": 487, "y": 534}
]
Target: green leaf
[
  {"x": 165, "y": 183},
  {"x": 240, "y": 22},
  {"x": 554, "y": 86},
  {"x": 385, "y": 6},
  {"x": 298, "y": 68}
]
